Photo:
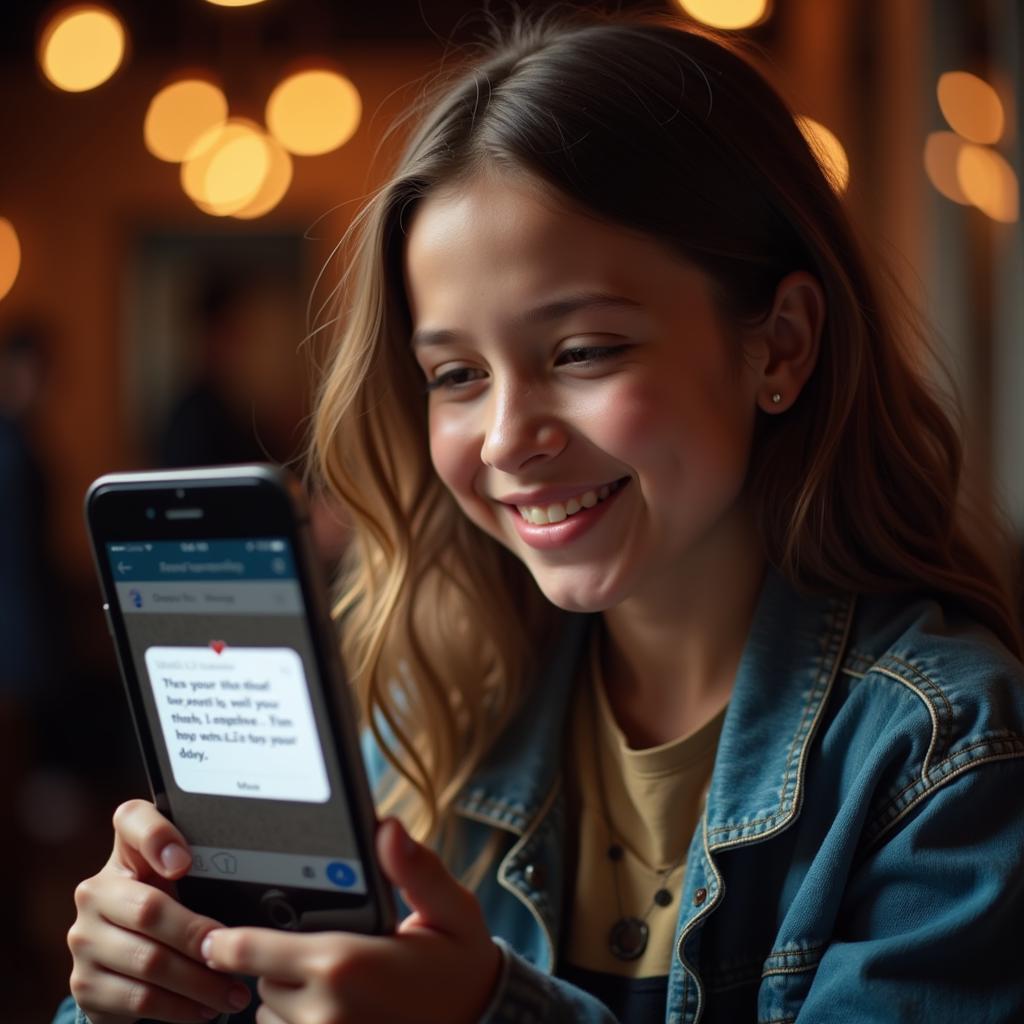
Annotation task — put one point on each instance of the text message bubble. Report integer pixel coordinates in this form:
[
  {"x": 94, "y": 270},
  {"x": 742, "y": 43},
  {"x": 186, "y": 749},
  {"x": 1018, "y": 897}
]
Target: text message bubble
[{"x": 238, "y": 722}]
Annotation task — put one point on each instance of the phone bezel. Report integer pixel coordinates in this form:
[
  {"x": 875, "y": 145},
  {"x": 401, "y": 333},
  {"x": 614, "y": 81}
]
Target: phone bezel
[{"x": 239, "y": 502}]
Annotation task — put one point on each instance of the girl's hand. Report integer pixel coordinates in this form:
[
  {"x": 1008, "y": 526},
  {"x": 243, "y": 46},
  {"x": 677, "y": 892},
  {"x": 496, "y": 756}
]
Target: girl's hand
[
  {"x": 440, "y": 966},
  {"x": 136, "y": 950}
]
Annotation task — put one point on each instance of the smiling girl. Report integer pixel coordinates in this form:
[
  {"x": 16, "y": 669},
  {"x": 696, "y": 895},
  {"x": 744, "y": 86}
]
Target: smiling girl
[{"x": 673, "y": 653}]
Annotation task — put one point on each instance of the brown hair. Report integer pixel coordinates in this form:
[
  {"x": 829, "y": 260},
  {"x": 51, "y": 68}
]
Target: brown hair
[{"x": 672, "y": 132}]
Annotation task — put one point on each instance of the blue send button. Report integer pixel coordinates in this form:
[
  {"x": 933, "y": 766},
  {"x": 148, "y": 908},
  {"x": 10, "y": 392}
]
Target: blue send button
[{"x": 341, "y": 874}]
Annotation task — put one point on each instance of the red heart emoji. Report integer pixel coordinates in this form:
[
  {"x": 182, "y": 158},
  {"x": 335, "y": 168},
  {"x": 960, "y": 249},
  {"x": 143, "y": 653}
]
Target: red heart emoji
[{"x": 217, "y": 645}]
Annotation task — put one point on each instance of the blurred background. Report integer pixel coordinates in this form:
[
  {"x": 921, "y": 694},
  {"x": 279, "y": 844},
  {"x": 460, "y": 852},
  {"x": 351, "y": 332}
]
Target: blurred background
[{"x": 174, "y": 178}]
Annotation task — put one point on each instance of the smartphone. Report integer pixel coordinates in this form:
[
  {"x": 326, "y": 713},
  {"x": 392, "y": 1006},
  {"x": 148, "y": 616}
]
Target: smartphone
[{"x": 219, "y": 614}]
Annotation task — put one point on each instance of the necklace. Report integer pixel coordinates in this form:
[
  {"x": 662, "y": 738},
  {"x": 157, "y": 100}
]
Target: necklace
[{"x": 627, "y": 938}]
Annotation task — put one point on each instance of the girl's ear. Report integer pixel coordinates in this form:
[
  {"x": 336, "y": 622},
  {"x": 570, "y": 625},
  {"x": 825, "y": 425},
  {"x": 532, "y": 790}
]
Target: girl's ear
[{"x": 788, "y": 340}]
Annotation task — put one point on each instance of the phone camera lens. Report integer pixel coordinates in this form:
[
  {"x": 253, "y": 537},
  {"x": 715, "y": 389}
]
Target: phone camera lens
[
  {"x": 179, "y": 493},
  {"x": 151, "y": 513}
]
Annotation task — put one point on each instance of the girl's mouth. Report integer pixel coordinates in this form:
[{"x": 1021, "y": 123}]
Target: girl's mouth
[{"x": 557, "y": 511}]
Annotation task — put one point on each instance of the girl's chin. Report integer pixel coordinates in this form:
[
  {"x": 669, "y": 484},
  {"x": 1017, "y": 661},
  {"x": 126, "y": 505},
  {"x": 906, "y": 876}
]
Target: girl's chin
[{"x": 581, "y": 599}]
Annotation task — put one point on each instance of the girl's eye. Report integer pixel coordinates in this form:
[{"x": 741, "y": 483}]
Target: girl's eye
[
  {"x": 582, "y": 354},
  {"x": 454, "y": 378}
]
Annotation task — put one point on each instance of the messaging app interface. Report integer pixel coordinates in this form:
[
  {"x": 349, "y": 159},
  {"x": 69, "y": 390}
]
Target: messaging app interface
[{"x": 222, "y": 651}]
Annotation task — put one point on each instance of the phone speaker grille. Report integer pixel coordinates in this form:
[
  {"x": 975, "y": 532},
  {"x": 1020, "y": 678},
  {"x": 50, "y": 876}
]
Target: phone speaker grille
[{"x": 184, "y": 513}]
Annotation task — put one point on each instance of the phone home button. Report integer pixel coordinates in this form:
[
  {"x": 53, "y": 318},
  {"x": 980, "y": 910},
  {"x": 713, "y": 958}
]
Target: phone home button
[{"x": 280, "y": 913}]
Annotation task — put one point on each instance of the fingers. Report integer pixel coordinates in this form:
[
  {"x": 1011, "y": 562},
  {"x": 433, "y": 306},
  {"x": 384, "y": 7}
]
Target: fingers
[
  {"x": 265, "y": 1015},
  {"x": 284, "y": 957},
  {"x": 97, "y": 990},
  {"x": 158, "y": 969},
  {"x": 145, "y": 910},
  {"x": 437, "y": 899},
  {"x": 147, "y": 844}
]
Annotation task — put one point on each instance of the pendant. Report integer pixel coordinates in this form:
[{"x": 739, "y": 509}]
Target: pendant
[{"x": 628, "y": 938}]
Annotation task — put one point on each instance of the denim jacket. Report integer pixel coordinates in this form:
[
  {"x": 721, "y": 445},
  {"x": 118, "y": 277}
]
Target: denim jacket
[
  {"x": 860, "y": 853},
  {"x": 859, "y": 858}
]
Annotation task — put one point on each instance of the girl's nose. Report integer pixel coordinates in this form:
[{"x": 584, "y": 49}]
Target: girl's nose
[{"x": 520, "y": 432}]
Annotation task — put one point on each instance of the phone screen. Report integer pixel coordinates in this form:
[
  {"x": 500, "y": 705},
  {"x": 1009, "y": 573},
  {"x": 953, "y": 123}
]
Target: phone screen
[{"x": 220, "y": 643}]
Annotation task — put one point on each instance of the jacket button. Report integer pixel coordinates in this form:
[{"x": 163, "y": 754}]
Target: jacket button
[
  {"x": 535, "y": 876},
  {"x": 700, "y": 896}
]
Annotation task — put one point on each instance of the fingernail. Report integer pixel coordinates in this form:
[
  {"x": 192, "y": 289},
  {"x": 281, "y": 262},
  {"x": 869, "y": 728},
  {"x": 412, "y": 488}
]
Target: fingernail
[
  {"x": 174, "y": 857},
  {"x": 209, "y": 1013},
  {"x": 206, "y": 949},
  {"x": 238, "y": 997}
]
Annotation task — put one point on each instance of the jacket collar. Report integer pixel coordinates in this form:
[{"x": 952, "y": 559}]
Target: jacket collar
[
  {"x": 791, "y": 657},
  {"x": 793, "y": 652}
]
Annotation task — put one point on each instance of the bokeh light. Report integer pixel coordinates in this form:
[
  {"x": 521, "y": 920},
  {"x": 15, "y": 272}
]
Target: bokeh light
[
  {"x": 971, "y": 106},
  {"x": 313, "y": 112},
  {"x": 81, "y": 47},
  {"x": 10, "y": 256},
  {"x": 941, "y": 153},
  {"x": 989, "y": 182},
  {"x": 727, "y": 14},
  {"x": 275, "y": 185},
  {"x": 829, "y": 151},
  {"x": 226, "y": 167},
  {"x": 179, "y": 114}
]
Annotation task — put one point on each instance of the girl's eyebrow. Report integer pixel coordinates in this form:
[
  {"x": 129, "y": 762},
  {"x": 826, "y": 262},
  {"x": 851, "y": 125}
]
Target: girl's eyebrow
[{"x": 549, "y": 311}]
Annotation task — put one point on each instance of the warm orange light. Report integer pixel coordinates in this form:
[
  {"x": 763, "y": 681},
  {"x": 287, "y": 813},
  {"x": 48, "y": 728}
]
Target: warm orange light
[
  {"x": 971, "y": 106},
  {"x": 226, "y": 168},
  {"x": 10, "y": 256},
  {"x": 279, "y": 177},
  {"x": 829, "y": 151},
  {"x": 728, "y": 14},
  {"x": 81, "y": 47},
  {"x": 989, "y": 182},
  {"x": 179, "y": 114},
  {"x": 313, "y": 112},
  {"x": 941, "y": 152}
]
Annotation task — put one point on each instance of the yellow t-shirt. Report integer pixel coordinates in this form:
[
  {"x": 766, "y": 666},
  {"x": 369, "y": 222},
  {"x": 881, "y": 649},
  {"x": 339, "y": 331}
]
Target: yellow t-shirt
[{"x": 654, "y": 798}]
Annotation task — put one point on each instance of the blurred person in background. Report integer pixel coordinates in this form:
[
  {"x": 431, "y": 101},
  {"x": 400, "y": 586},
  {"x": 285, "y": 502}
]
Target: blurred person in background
[
  {"x": 248, "y": 398},
  {"x": 31, "y": 609}
]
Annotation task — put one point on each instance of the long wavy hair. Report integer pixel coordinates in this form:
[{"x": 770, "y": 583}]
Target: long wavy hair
[{"x": 670, "y": 131}]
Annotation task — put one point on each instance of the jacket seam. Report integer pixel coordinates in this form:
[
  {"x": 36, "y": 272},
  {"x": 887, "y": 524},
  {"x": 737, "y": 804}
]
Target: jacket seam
[
  {"x": 802, "y": 969},
  {"x": 883, "y": 830},
  {"x": 517, "y": 848},
  {"x": 690, "y": 925},
  {"x": 839, "y": 631},
  {"x": 932, "y": 714},
  {"x": 796, "y": 954},
  {"x": 480, "y": 807},
  {"x": 484, "y": 819},
  {"x": 940, "y": 709}
]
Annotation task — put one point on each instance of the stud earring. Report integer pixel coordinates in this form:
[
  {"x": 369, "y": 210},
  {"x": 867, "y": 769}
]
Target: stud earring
[{"x": 776, "y": 397}]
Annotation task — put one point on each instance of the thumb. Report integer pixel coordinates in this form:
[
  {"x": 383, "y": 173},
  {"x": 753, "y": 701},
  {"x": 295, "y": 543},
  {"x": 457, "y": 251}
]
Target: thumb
[{"x": 437, "y": 900}]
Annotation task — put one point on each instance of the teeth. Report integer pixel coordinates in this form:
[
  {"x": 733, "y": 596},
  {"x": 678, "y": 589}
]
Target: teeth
[{"x": 556, "y": 512}]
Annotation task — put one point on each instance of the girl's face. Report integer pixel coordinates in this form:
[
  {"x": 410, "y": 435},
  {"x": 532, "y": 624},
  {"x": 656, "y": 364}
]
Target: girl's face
[{"x": 588, "y": 407}]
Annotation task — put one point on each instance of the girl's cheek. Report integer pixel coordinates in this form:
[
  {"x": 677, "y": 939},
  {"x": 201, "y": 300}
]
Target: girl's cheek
[
  {"x": 626, "y": 420},
  {"x": 452, "y": 452}
]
